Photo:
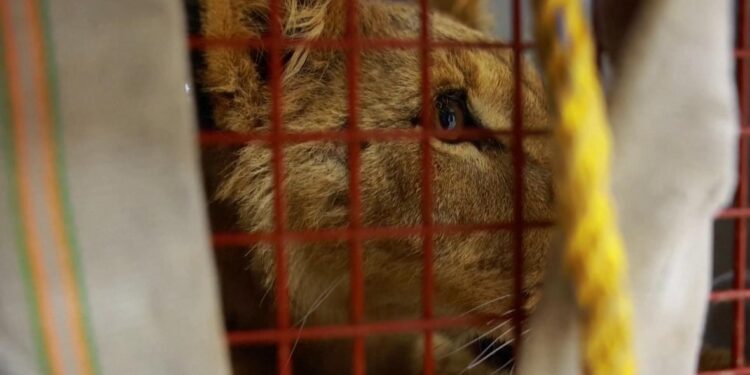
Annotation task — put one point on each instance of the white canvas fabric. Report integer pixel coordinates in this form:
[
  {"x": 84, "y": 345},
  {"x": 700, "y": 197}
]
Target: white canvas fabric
[{"x": 93, "y": 112}]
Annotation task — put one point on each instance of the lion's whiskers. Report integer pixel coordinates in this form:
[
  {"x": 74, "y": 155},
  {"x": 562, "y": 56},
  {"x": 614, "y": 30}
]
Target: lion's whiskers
[
  {"x": 473, "y": 341},
  {"x": 315, "y": 305},
  {"x": 484, "y": 304},
  {"x": 481, "y": 357}
]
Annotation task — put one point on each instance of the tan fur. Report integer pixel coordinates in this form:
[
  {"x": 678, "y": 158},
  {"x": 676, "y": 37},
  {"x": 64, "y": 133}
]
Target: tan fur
[
  {"x": 469, "y": 12},
  {"x": 471, "y": 186}
]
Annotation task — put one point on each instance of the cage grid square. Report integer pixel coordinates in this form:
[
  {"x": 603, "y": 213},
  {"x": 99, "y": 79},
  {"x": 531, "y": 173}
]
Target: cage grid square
[{"x": 284, "y": 335}]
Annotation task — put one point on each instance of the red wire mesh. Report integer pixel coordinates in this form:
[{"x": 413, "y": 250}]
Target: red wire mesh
[
  {"x": 740, "y": 242},
  {"x": 284, "y": 334}
]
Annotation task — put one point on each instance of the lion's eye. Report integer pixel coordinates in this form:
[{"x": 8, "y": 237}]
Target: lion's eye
[
  {"x": 453, "y": 116},
  {"x": 450, "y": 112}
]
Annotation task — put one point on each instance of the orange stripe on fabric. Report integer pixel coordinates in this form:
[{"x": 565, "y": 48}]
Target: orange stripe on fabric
[
  {"x": 52, "y": 190},
  {"x": 38, "y": 272}
]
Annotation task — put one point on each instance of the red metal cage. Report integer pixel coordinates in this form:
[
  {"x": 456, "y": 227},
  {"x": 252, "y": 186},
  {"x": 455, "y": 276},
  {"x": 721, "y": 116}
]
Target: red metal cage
[{"x": 284, "y": 334}]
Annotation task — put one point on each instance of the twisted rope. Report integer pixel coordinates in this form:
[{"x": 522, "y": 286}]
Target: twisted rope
[{"x": 594, "y": 257}]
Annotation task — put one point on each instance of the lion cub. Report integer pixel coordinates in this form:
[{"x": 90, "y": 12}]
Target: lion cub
[{"x": 472, "y": 182}]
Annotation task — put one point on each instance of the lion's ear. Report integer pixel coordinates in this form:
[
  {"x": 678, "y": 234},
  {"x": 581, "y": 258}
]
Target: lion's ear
[
  {"x": 228, "y": 68},
  {"x": 231, "y": 18},
  {"x": 472, "y": 13}
]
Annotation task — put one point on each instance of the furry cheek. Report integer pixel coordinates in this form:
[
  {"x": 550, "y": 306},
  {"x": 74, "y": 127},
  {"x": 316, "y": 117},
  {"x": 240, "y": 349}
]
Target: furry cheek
[{"x": 465, "y": 151}]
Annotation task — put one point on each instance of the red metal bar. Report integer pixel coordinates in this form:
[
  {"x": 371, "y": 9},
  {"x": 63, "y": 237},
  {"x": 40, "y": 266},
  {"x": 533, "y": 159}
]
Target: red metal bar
[
  {"x": 518, "y": 183},
  {"x": 228, "y": 138},
  {"x": 357, "y": 280},
  {"x": 231, "y": 239},
  {"x": 255, "y": 337},
  {"x": 279, "y": 205},
  {"x": 428, "y": 366},
  {"x": 730, "y": 295},
  {"x": 740, "y": 234},
  {"x": 734, "y": 213},
  {"x": 203, "y": 43},
  {"x": 735, "y": 371}
]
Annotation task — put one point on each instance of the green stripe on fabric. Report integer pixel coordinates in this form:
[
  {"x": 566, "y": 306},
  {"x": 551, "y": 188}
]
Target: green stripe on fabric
[
  {"x": 9, "y": 158},
  {"x": 62, "y": 181}
]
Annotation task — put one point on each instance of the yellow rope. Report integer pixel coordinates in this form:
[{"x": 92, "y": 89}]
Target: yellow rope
[{"x": 594, "y": 256}]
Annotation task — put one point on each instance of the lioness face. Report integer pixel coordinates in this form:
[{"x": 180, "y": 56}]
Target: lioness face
[{"x": 472, "y": 180}]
